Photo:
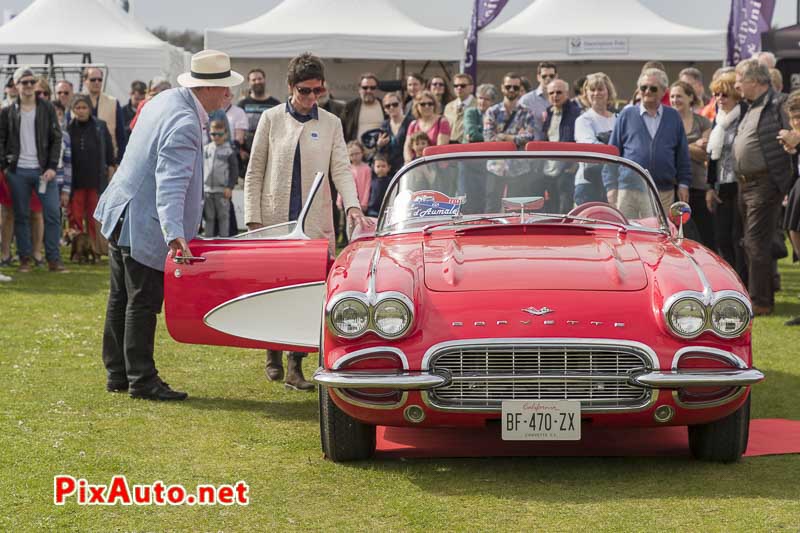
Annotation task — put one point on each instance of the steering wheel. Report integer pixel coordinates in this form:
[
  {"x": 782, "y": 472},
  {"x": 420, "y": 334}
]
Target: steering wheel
[{"x": 599, "y": 211}]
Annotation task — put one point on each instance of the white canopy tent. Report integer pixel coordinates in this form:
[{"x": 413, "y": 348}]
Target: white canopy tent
[
  {"x": 98, "y": 27},
  {"x": 576, "y": 30},
  {"x": 348, "y": 29},
  {"x": 353, "y": 36}
]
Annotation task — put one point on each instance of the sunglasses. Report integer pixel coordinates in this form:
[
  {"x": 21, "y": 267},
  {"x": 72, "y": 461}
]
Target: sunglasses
[
  {"x": 461, "y": 85},
  {"x": 648, "y": 88},
  {"x": 39, "y": 94},
  {"x": 437, "y": 84},
  {"x": 426, "y": 104},
  {"x": 390, "y": 105},
  {"x": 720, "y": 95},
  {"x": 95, "y": 80},
  {"x": 512, "y": 88},
  {"x": 369, "y": 87},
  {"x": 60, "y": 93},
  {"x": 305, "y": 91},
  {"x": 553, "y": 93},
  {"x": 547, "y": 76},
  {"x": 27, "y": 82},
  {"x": 217, "y": 133}
]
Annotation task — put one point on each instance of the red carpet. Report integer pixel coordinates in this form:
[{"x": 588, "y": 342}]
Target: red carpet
[{"x": 767, "y": 437}]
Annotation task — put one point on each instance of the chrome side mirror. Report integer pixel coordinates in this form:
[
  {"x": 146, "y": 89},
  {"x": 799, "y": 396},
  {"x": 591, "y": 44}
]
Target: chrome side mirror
[{"x": 679, "y": 214}]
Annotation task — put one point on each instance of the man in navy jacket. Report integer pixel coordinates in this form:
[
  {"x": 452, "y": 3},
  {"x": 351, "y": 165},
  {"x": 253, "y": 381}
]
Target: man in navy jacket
[{"x": 652, "y": 135}]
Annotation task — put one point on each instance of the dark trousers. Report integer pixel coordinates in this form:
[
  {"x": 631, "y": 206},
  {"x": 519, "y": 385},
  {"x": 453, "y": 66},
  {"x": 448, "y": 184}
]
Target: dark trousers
[
  {"x": 728, "y": 229},
  {"x": 702, "y": 217},
  {"x": 759, "y": 202},
  {"x": 290, "y": 354},
  {"x": 134, "y": 300}
]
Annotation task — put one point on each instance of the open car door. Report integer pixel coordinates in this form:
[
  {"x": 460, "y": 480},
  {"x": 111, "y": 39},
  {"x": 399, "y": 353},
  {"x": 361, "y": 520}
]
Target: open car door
[{"x": 261, "y": 289}]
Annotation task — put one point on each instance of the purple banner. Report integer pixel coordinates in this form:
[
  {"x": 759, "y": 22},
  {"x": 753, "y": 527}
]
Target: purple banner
[
  {"x": 748, "y": 20},
  {"x": 483, "y": 13}
]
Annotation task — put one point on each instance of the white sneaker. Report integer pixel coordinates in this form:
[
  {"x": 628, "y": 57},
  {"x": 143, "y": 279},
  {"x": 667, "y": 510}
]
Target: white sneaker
[{"x": 3, "y": 277}]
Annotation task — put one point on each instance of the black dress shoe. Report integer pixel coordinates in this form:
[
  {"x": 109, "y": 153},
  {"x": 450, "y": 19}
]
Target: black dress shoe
[
  {"x": 158, "y": 390},
  {"x": 117, "y": 386}
]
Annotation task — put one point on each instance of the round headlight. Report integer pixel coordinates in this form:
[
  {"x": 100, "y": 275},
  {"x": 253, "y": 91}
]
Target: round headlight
[
  {"x": 392, "y": 318},
  {"x": 730, "y": 317},
  {"x": 687, "y": 317},
  {"x": 350, "y": 317}
]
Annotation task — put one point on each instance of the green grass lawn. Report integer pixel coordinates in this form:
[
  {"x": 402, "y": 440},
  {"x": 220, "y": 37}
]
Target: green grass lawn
[{"x": 55, "y": 417}]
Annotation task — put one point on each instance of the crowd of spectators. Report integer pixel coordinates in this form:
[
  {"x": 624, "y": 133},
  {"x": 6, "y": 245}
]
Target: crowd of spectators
[{"x": 728, "y": 149}]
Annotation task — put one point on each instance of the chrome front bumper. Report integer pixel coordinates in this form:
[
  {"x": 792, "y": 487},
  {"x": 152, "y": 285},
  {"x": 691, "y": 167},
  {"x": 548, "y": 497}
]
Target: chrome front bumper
[{"x": 362, "y": 379}]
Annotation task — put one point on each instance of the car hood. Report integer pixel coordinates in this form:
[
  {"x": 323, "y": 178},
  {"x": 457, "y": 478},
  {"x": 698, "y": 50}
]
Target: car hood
[{"x": 584, "y": 261}]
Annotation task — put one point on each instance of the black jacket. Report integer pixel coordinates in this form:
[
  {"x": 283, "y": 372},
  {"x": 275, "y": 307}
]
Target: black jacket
[
  {"x": 566, "y": 130},
  {"x": 352, "y": 111},
  {"x": 104, "y": 147},
  {"x": 773, "y": 119},
  {"x": 48, "y": 136},
  {"x": 334, "y": 106}
]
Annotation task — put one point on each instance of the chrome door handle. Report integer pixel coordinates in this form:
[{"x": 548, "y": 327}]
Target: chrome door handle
[{"x": 188, "y": 260}]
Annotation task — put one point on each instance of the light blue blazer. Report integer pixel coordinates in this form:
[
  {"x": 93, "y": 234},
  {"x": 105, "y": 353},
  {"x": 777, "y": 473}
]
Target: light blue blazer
[{"x": 160, "y": 179}]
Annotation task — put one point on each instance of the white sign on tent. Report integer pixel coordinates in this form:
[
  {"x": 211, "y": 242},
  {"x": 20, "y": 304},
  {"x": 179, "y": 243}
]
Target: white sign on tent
[{"x": 580, "y": 46}]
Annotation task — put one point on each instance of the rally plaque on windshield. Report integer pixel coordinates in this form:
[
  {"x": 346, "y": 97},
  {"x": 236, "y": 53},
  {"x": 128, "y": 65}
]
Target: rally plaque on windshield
[{"x": 433, "y": 204}]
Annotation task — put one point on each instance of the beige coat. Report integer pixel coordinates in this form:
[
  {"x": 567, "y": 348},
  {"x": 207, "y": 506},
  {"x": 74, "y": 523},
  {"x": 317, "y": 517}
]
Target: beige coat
[
  {"x": 107, "y": 110},
  {"x": 268, "y": 182}
]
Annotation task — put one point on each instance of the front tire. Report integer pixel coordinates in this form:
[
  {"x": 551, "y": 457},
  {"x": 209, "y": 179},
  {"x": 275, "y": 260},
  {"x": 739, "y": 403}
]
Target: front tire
[
  {"x": 343, "y": 437},
  {"x": 723, "y": 441}
]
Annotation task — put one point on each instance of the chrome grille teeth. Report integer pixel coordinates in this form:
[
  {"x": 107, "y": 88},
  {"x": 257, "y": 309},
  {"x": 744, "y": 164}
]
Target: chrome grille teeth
[{"x": 595, "y": 375}]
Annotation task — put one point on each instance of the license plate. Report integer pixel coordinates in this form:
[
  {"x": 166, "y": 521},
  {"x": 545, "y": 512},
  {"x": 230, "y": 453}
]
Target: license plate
[{"x": 541, "y": 420}]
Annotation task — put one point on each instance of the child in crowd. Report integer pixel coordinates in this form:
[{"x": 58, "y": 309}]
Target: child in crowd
[
  {"x": 419, "y": 141},
  {"x": 421, "y": 177},
  {"x": 362, "y": 175},
  {"x": 379, "y": 184},
  {"x": 220, "y": 171},
  {"x": 92, "y": 166}
]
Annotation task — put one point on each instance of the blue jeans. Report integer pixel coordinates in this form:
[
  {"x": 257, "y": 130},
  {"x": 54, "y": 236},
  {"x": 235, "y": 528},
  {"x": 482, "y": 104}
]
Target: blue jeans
[{"x": 22, "y": 182}]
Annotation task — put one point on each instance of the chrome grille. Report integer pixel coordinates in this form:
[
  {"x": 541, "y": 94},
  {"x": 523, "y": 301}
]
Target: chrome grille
[{"x": 484, "y": 376}]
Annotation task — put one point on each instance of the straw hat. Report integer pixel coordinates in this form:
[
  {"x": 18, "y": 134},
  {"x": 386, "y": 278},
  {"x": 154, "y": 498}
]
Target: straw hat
[{"x": 210, "y": 68}]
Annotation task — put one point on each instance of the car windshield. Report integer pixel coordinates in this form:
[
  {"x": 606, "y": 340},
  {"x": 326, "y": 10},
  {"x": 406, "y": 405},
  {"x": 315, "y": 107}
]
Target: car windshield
[{"x": 520, "y": 190}]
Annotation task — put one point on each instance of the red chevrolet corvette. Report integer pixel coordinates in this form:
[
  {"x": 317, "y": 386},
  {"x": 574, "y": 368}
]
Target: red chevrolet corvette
[{"x": 539, "y": 291}]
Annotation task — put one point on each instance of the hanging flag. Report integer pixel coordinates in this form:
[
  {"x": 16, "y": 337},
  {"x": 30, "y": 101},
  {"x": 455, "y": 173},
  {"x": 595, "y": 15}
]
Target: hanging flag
[
  {"x": 483, "y": 13},
  {"x": 748, "y": 20}
]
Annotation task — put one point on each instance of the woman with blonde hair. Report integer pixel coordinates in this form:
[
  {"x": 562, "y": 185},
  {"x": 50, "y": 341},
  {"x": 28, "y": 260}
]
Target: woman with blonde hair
[
  {"x": 428, "y": 119},
  {"x": 594, "y": 126},
  {"x": 723, "y": 189}
]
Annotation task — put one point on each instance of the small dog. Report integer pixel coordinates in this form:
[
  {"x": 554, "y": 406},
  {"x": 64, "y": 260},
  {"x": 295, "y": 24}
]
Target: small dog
[{"x": 82, "y": 247}]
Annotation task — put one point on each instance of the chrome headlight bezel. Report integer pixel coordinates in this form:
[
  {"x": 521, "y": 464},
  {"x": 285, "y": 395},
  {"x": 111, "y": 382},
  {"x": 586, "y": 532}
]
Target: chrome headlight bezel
[
  {"x": 671, "y": 309},
  {"x": 371, "y": 302},
  {"x": 408, "y": 316},
  {"x": 348, "y": 299},
  {"x": 707, "y": 303},
  {"x": 728, "y": 296}
]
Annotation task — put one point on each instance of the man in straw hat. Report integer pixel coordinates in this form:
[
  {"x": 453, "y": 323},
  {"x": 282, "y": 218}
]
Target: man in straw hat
[{"x": 151, "y": 209}]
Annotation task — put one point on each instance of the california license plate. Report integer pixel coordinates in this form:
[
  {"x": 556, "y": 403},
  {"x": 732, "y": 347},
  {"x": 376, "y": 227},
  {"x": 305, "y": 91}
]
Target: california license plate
[{"x": 541, "y": 420}]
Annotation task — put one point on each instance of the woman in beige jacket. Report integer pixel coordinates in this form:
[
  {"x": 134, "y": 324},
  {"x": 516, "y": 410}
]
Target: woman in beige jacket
[{"x": 292, "y": 143}]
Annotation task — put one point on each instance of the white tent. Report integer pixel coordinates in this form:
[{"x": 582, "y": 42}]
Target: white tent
[
  {"x": 98, "y": 27},
  {"x": 576, "y": 30},
  {"x": 350, "y": 29}
]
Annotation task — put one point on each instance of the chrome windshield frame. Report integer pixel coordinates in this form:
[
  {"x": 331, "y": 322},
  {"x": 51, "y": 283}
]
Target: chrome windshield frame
[{"x": 581, "y": 156}]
